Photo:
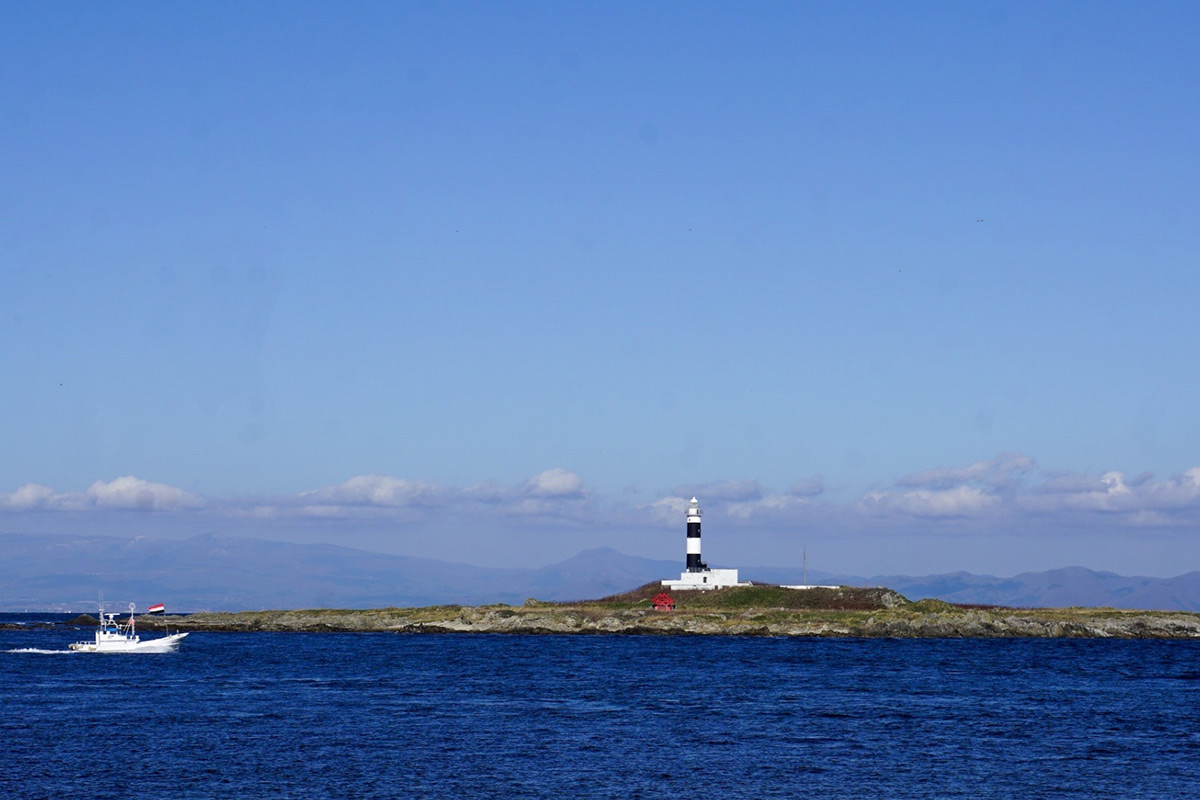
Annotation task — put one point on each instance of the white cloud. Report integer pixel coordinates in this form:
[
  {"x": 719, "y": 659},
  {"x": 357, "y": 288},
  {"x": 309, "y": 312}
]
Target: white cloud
[
  {"x": 1009, "y": 485},
  {"x": 665, "y": 510},
  {"x": 772, "y": 504},
  {"x": 1144, "y": 500},
  {"x": 1108, "y": 492},
  {"x": 129, "y": 492},
  {"x": 732, "y": 500},
  {"x": 1002, "y": 470},
  {"x": 29, "y": 497},
  {"x": 1176, "y": 492},
  {"x": 373, "y": 490},
  {"x": 359, "y": 497},
  {"x": 486, "y": 492},
  {"x": 556, "y": 494},
  {"x": 557, "y": 482},
  {"x": 959, "y": 501},
  {"x": 124, "y": 493}
]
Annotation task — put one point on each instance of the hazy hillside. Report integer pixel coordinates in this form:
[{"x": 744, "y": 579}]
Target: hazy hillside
[
  {"x": 1069, "y": 586},
  {"x": 231, "y": 574},
  {"x": 219, "y": 573}
]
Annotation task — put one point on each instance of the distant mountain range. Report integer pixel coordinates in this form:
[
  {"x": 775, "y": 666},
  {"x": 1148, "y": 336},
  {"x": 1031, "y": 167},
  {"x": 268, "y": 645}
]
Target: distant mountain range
[
  {"x": 1056, "y": 588},
  {"x": 211, "y": 572}
]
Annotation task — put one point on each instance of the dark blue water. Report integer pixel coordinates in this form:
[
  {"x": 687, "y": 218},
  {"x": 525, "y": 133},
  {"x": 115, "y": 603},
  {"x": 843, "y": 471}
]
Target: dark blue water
[{"x": 380, "y": 715}]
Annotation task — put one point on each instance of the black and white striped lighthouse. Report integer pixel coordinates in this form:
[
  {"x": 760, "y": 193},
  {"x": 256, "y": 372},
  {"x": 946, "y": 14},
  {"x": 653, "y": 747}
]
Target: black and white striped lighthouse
[
  {"x": 697, "y": 576},
  {"x": 694, "y": 564}
]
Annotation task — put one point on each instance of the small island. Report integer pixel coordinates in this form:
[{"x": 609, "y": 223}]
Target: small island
[
  {"x": 715, "y": 602},
  {"x": 746, "y": 610}
]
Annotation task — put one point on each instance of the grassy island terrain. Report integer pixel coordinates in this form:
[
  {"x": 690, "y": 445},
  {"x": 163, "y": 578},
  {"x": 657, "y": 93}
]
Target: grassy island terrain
[{"x": 759, "y": 610}]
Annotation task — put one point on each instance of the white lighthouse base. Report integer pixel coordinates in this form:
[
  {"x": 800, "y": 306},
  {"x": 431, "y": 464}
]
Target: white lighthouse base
[{"x": 705, "y": 579}]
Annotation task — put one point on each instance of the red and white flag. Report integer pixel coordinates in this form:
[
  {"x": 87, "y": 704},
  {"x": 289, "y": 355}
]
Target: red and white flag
[{"x": 158, "y": 608}]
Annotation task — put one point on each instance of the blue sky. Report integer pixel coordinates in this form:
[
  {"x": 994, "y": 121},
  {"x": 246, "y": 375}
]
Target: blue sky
[{"x": 912, "y": 285}]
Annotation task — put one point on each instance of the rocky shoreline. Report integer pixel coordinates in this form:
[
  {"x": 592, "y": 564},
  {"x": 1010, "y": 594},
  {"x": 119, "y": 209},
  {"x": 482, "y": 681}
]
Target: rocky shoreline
[{"x": 765, "y": 611}]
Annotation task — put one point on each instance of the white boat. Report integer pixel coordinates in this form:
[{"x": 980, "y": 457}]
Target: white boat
[{"x": 113, "y": 637}]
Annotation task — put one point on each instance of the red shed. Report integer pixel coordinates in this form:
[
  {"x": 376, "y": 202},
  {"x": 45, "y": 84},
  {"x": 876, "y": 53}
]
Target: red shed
[{"x": 663, "y": 602}]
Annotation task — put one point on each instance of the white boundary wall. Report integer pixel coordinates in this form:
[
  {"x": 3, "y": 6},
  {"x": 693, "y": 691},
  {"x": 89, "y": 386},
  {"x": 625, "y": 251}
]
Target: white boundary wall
[{"x": 708, "y": 579}]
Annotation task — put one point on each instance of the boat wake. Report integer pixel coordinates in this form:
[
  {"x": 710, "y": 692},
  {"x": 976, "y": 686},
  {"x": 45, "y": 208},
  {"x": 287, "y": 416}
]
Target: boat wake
[{"x": 40, "y": 650}]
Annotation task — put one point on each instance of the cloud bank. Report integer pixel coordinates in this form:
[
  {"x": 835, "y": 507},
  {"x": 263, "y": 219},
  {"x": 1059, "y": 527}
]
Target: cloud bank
[
  {"x": 126, "y": 493},
  {"x": 1007, "y": 490},
  {"x": 1011, "y": 486}
]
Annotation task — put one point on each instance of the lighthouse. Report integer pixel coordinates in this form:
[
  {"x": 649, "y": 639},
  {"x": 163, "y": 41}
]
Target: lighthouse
[
  {"x": 696, "y": 574},
  {"x": 694, "y": 564}
]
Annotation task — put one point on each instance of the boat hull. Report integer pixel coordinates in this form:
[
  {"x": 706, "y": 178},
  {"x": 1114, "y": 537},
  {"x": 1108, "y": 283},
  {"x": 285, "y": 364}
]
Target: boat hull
[{"x": 166, "y": 644}]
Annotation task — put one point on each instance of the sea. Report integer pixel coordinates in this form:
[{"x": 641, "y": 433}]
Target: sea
[{"x": 376, "y": 715}]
